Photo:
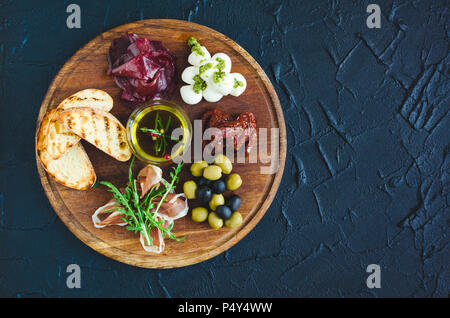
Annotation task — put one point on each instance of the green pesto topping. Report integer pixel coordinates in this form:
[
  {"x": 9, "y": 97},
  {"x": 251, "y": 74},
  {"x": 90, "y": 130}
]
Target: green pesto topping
[
  {"x": 199, "y": 84},
  {"x": 221, "y": 63},
  {"x": 237, "y": 83},
  {"x": 195, "y": 46},
  {"x": 218, "y": 76},
  {"x": 193, "y": 41},
  {"x": 204, "y": 67}
]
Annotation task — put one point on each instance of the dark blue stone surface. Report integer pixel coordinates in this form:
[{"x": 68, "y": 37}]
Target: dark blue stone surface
[{"x": 367, "y": 176}]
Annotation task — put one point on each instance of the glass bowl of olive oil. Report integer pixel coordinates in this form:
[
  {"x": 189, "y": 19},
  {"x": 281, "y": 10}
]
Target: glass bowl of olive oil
[{"x": 158, "y": 132}]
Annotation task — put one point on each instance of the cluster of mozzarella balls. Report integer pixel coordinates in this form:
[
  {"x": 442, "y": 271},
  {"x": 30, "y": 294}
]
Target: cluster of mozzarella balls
[{"x": 209, "y": 77}]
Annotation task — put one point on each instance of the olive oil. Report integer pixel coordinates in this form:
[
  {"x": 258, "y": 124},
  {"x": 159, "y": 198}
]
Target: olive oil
[
  {"x": 154, "y": 131},
  {"x": 151, "y": 129}
]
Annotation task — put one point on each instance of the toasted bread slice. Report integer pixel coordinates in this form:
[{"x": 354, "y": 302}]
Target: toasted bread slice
[
  {"x": 90, "y": 97},
  {"x": 73, "y": 169},
  {"x": 100, "y": 128},
  {"x": 59, "y": 138},
  {"x": 41, "y": 136}
]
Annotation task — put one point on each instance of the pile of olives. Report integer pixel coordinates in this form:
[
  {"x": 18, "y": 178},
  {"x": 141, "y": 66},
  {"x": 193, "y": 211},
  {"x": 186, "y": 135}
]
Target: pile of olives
[{"x": 208, "y": 188}]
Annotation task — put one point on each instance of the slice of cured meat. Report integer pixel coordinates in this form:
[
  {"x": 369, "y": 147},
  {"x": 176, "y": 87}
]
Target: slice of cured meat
[
  {"x": 108, "y": 215},
  {"x": 142, "y": 68},
  {"x": 175, "y": 206},
  {"x": 149, "y": 177},
  {"x": 156, "y": 238}
]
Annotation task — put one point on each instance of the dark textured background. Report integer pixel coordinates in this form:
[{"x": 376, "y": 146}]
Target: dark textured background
[{"x": 367, "y": 171}]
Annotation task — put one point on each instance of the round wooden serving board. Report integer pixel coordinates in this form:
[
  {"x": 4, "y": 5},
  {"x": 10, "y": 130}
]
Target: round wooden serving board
[{"x": 87, "y": 69}]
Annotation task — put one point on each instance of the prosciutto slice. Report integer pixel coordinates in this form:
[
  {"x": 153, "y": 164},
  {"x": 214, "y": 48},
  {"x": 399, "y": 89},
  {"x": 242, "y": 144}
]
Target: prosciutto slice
[
  {"x": 103, "y": 216},
  {"x": 149, "y": 177},
  {"x": 156, "y": 239},
  {"x": 174, "y": 206}
]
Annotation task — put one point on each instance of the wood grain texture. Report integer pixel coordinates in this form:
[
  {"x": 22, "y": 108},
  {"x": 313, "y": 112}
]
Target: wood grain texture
[{"x": 87, "y": 69}]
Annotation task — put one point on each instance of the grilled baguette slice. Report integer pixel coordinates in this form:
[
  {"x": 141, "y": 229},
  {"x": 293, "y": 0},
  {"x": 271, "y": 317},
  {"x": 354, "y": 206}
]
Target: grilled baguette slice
[
  {"x": 90, "y": 97},
  {"x": 100, "y": 128},
  {"x": 73, "y": 169},
  {"x": 41, "y": 136},
  {"x": 59, "y": 138}
]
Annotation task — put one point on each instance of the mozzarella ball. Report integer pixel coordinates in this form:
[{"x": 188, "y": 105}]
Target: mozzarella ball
[
  {"x": 227, "y": 60},
  {"x": 225, "y": 84},
  {"x": 210, "y": 94},
  {"x": 189, "y": 96},
  {"x": 188, "y": 74},
  {"x": 195, "y": 59},
  {"x": 207, "y": 72},
  {"x": 240, "y": 89}
]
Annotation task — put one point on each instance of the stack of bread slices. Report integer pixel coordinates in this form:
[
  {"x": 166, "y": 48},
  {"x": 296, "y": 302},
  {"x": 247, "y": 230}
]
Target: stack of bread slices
[{"x": 84, "y": 115}]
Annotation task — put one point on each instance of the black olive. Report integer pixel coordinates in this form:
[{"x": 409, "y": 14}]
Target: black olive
[
  {"x": 203, "y": 182},
  {"x": 200, "y": 181},
  {"x": 218, "y": 186},
  {"x": 203, "y": 194},
  {"x": 223, "y": 212},
  {"x": 233, "y": 202}
]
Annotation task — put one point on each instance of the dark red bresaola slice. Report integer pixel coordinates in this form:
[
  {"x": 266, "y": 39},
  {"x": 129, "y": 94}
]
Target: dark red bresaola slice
[{"x": 142, "y": 68}]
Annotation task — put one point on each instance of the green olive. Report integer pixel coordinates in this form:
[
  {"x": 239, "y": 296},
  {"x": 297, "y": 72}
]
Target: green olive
[
  {"x": 234, "y": 220},
  {"x": 199, "y": 214},
  {"x": 216, "y": 200},
  {"x": 212, "y": 172},
  {"x": 214, "y": 221},
  {"x": 224, "y": 163},
  {"x": 189, "y": 188},
  {"x": 234, "y": 181},
  {"x": 197, "y": 168}
]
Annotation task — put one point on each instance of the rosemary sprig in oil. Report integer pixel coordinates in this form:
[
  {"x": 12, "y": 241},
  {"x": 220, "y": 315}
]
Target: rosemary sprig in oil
[{"x": 159, "y": 134}]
